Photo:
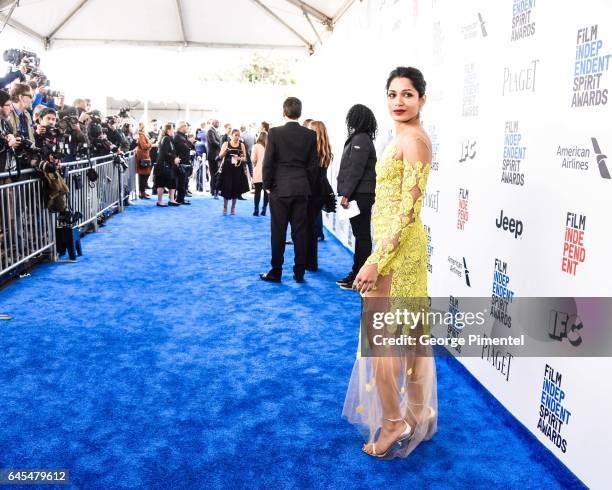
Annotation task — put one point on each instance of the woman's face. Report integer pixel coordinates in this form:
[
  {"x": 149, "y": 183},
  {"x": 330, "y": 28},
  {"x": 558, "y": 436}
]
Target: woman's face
[
  {"x": 235, "y": 138},
  {"x": 403, "y": 100}
]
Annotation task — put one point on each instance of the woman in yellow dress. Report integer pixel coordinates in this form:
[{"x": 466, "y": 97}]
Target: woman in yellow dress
[{"x": 392, "y": 391}]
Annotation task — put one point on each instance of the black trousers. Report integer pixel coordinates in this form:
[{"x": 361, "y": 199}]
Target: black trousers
[
  {"x": 285, "y": 210},
  {"x": 142, "y": 183},
  {"x": 258, "y": 191},
  {"x": 213, "y": 167},
  {"x": 182, "y": 181},
  {"x": 312, "y": 233},
  {"x": 361, "y": 225}
]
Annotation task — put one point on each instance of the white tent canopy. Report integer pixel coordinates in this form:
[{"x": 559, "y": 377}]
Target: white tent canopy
[{"x": 256, "y": 24}]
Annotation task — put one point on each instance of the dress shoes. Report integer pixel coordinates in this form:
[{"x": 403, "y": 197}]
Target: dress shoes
[
  {"x": 268, "y": 278},
  {"x": 298, "y": 279},
  {"x": 187, "y": 203}
]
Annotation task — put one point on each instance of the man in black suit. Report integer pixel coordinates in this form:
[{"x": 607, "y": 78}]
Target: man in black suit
[
  {"x": 289, "y": 166},
  {"x": 214, "y": 147}
]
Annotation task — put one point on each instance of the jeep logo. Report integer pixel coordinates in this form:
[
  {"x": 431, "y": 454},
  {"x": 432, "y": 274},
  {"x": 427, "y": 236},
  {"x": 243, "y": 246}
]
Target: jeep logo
[{"x": 509, "y": 224}]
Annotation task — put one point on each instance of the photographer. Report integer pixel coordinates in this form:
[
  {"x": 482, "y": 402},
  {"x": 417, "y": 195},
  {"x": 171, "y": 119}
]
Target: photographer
[
  {"x": 114, "y": 135},
  {"x": 20, "y": 119},
  {"x": 8, "y": 142},
  {"x": 184, "y": 150},
  {"x": 45, "y": 97},
  {"x": 48, "y": 139},
  {"x": 128, "y": 134},
  {"x": 98, "y": 141}
]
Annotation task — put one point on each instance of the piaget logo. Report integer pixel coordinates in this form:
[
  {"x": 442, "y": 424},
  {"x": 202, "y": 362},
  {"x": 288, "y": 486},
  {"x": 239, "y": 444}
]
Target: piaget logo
[{"x": 520, "y": 79}]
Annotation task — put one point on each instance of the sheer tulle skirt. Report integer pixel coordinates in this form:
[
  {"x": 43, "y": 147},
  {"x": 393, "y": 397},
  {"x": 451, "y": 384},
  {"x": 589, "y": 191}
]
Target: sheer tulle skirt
[{"x": 397, "y": 382}]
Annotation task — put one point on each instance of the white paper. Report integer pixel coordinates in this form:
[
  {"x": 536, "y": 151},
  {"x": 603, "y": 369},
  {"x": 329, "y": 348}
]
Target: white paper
[{"x": 348, "y": 213}]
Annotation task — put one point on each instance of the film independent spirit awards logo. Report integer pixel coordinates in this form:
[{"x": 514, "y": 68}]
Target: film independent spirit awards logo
[
  {"x": 523, "y": 25},
  {"x": 553, "y": 415},
  {"x": 515, "y": 151},
  {"x": 591, "y": 65}
]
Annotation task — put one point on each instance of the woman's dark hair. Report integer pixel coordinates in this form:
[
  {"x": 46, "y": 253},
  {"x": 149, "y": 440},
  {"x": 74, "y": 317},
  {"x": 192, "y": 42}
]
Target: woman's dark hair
[
  {"x": 360, "y": 119},
  {"x": 412, "y": 74}
]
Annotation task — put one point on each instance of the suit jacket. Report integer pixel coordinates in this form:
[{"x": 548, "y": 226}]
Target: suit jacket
[
  {"x": 183, "y": 148},
  {"x": 214, "y": 143},
  {"x": 291, "y": 160},
  {"x": 13, "y": 120},
  {"x": 357, "y": 172}
]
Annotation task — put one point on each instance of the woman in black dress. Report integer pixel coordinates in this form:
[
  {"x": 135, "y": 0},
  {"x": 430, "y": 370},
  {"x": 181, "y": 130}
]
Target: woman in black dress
[
  {"x": 234, "y": 181},
  {"x": 166, "y": 167}
]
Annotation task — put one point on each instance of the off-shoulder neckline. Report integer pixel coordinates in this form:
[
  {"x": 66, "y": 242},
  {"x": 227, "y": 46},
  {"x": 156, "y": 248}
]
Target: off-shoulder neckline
[{"x": 392, "y": 156}]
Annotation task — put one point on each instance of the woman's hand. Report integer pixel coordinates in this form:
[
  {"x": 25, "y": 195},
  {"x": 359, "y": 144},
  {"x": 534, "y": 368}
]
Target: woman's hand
[
  {"x": 366, "y": 278},
  {"x": 177, "y": 160}
]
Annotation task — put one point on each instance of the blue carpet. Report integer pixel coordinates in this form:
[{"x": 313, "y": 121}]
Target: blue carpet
[{"x": 160, "y": 360}]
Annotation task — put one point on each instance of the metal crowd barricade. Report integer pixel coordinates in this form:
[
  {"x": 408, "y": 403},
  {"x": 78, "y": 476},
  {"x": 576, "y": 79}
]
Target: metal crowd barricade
[{"x": 28, "y": 229}]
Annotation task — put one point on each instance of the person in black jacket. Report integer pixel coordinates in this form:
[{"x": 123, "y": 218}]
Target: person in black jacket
[
  {"x": 290, "y": 163},
  {"x": 165, "y": 168},
  {"x": 183, "y": 150},
  {"x": 357, "y": 181},
  {"x": 315, "y": 202},
  {"x": 214, "y": 147}
]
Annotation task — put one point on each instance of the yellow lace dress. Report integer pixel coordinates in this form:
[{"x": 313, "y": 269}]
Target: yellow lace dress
[{"x": 405, "y": 373}]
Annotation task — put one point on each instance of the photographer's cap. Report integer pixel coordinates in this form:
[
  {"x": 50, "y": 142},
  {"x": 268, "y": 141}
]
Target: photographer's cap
[{"x": 45, "y": 111}]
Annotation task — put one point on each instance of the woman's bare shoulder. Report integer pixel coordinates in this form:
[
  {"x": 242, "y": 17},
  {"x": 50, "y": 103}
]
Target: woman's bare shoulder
[{"x": 413, "y": 145}]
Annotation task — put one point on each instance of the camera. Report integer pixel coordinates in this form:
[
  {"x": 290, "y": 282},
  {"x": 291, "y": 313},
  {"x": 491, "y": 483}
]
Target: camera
[
  {"x": 28, "y": 155},
  {"x": 18, "y": 57},
  {"x": 120, "y": 162},
  {"x": 124, "y": 112}
]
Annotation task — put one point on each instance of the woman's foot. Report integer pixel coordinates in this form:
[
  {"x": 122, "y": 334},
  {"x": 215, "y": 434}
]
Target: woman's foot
[
  {"x": 255, "y": 213},
  {"x": 233, "y": 211},
  {"x": 263, "y": 212},
  {"x": 389, "y": 435},
  {"x": 161, "y": 204},
  {"x": 173, "y": 203},
  {"x": 224, "y": 211}
]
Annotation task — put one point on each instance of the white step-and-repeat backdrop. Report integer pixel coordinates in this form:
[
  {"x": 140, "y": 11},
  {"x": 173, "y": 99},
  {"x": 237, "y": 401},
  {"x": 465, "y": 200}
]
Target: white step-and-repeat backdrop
[{"x": 519, "y": 193}]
